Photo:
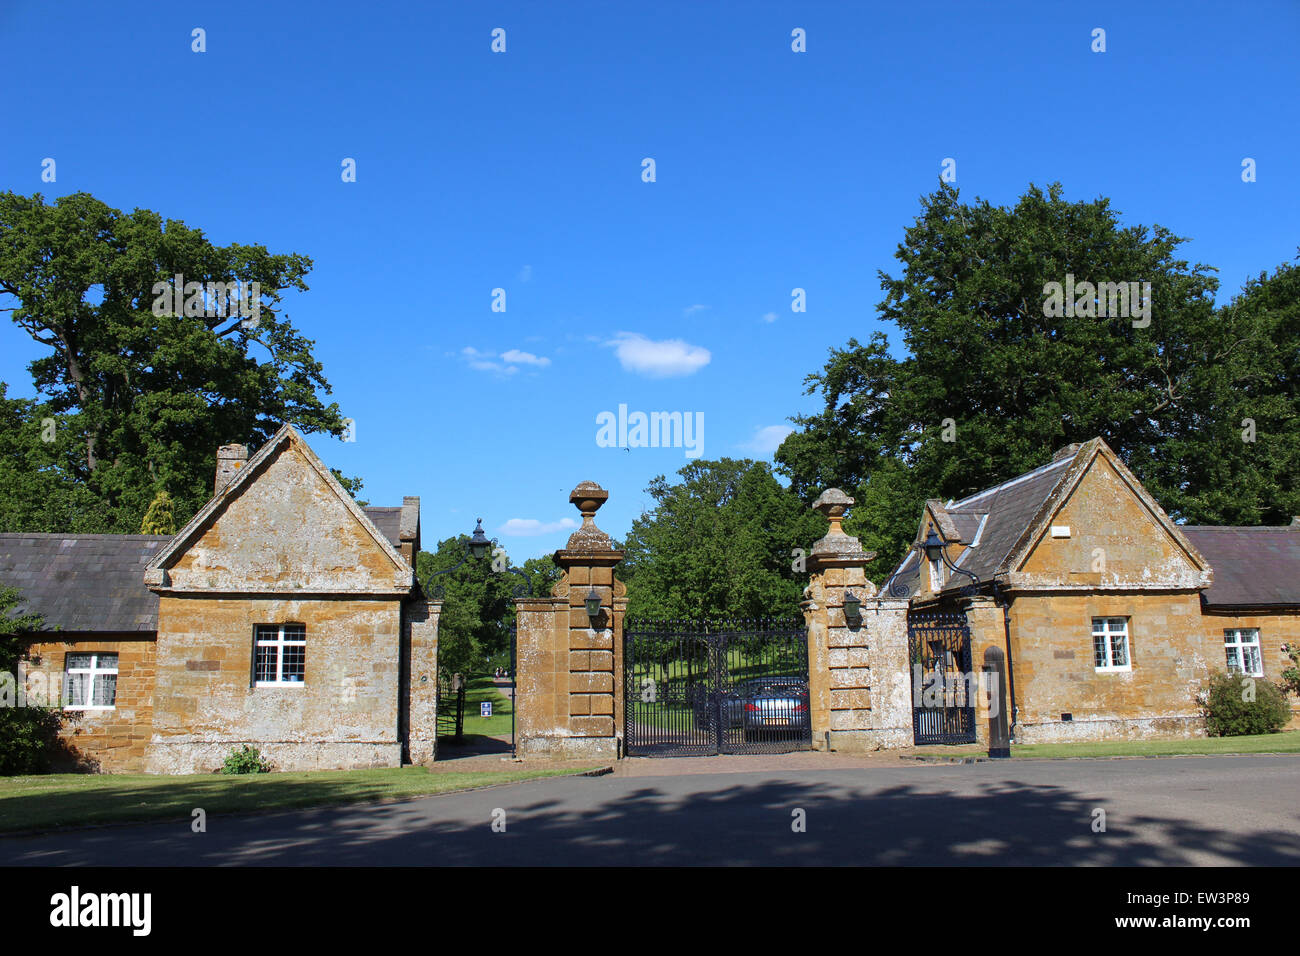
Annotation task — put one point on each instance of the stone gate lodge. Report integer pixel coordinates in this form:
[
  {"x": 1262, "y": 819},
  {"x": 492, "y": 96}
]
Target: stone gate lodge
[{"x": 285, "y": 616}]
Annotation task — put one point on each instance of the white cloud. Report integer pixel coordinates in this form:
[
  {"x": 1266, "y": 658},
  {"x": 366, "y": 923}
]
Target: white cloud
[
  {"x": 483, "y": 361},
  {"x": 692, "y": 309},
  {"x": 525, "y": 273},
  {"x": 525, "y": 358},
  {"x": 531, "y": 527},
  {"x": 767, "y": 439},
  {"x": 666, "y": 359},
  {"x": 769, "y": 317},
  {"x": 505, "y": 363}
]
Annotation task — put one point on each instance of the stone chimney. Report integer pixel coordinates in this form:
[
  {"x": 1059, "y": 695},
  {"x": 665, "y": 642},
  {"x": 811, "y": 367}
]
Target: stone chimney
[{"x": 230, "y": 458}]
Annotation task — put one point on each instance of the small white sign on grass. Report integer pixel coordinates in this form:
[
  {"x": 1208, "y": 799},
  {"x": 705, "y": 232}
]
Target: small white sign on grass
[{"x": 485, "y": 708}]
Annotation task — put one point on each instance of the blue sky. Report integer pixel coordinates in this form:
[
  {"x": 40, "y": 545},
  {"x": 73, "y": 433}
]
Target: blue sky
[{"x": 522, "y": 170}]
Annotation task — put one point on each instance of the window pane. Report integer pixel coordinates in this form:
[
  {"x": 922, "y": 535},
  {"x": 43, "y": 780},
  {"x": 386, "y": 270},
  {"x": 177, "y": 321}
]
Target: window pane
[
  {"x": 265, "y": 667},
  {"x": 106, "y": 662},
  {"x": 294, "y": 662},
  {"x": 105, "y": 690},
  {"x": 75, "y": 688},
  {"x": 1119, "y": 650},
  {"x": 1253, "y": 664},
  {"x": 80, "y": 661},
  {"x": 1098, "y": 650},
  {"x": 1234, "y": 662}
]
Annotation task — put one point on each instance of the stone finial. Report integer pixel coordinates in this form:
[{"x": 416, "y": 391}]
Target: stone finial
[
  {"x": 832, "y": 503},
  {"x": 587, "y": 498}
]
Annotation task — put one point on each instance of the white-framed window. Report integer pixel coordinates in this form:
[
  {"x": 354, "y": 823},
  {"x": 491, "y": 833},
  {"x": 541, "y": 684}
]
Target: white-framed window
[
  {"x": 90, "y": 681},
  {"x": 279, "y": 655},
  {"x": 1241, "y": 645},
  {"x": 1110, "y": 650}
]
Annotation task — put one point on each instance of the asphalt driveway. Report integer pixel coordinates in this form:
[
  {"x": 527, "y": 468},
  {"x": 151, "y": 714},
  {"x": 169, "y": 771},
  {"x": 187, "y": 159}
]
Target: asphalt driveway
[{"x": 1172, "y": 811}]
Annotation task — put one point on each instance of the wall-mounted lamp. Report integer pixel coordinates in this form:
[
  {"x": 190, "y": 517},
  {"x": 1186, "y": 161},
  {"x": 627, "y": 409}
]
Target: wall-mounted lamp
[
  {"x": 936, "y": 549},
  {"x": 933, "y": 546},
  {"x": 852, "y": 608},
  {"x": 593, "y": 605}
]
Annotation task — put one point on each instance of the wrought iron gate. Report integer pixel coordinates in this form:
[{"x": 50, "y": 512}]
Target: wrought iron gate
[
  {"x": 708, "y": 687},
  {"x": 943, "y": 683}
]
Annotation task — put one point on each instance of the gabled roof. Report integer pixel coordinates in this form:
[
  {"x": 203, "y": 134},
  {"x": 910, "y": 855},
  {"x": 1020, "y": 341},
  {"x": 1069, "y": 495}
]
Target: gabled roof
[
  {"x": 995, "y": 519},
  {"x": 83, "y": 582},
  {"x": 155, "y": 575},
  {"x": 1001, "y": 525},
  {"x": 1253, "y": 567}
]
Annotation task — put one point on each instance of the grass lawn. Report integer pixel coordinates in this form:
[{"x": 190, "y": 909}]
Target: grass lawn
[
  {"x": 478, "y": 690},
  {"x": 1286, "y": 742},
  {"x": 55, "y": 800}
]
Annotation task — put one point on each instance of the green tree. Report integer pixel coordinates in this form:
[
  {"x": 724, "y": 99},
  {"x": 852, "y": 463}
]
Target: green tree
[
  {"x": 1234, "y": 458},
  {"x": 719, "y": 543},
  {"x": 542, "y": 574},
  {"x": 145, "y": 399},
  {"x": 160, "y": 518},
  {"x": 478, "y": 609},
  {"x": 28, "y": 734},
  {"x": 38, "y": 490},
  {"x": 987, "y": 383}
]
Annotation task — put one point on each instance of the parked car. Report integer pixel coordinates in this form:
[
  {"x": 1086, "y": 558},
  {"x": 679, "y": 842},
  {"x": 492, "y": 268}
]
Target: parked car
[
  {"x": 775, "y": 706},
  {"x": 761, "y": 704}
]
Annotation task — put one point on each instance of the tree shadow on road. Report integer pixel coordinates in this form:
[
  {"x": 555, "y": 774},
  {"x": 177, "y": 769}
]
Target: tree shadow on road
[{"x": 619, "y": 823}]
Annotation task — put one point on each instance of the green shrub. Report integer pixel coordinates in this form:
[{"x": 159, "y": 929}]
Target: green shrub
[
  {"x": 29, "y": 739},
  {"x": 246, "y": 759},
  {"x": 1236, "y": 705},
  {"x": 29, "y": 735}
]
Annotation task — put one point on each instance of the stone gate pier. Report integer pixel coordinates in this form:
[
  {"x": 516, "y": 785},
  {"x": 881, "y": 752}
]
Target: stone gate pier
[
  {"x": 858, "y": 670},
  {"x": 569, "y": 662}
]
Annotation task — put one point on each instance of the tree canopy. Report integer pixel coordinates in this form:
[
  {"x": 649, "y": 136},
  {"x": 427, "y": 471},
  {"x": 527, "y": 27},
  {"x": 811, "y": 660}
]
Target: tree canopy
[
  {"x": 478, "y": 603},
  {"x": 991, "y": 381},
  {"x": 719, "y": 543},
  {"x": 135, "y": 396}
]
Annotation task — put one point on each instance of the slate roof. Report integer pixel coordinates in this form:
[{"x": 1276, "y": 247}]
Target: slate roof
[
  {"x": 87, "y": 582},
  {"x": 95, "y": 582},
  {"x": 1253, "y": 567},
  {"x": 389, "y": 523},
  {"x": 994, "y": 520}
]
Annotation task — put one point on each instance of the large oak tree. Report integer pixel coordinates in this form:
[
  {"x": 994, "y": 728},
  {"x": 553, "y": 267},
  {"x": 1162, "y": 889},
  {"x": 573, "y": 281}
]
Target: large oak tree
[
  {"x": 990, "y": 381},
  {"x": 141, "y": 400}
]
